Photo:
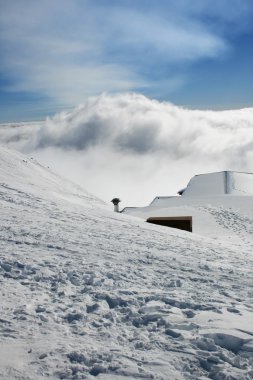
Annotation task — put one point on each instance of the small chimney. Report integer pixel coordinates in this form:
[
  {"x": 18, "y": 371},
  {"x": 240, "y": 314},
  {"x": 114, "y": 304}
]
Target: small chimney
[{"x": 116, "y": 201}]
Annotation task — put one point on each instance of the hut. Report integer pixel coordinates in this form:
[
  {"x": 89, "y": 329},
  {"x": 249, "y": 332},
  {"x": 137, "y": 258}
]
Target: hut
[{"x": 225, "y": 189}]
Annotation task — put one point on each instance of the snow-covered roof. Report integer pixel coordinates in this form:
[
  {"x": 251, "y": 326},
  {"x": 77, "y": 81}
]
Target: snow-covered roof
[
  {"x": 220, "y": 183},
  {"x": 211, "y": 200}
]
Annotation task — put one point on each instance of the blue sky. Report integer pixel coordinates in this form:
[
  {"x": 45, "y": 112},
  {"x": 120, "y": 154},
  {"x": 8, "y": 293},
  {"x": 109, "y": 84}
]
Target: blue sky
[{"x": 57, "y": 53}]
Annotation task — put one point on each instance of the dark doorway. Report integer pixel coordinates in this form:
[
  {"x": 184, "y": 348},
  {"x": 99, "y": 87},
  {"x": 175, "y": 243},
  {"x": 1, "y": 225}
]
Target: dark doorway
[{"x": 180, "y": 222}]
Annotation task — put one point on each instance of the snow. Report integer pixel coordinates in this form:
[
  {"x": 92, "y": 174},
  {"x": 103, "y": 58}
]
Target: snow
[
  {"x": 221, "y": 205},
  {"x": 206, "y": 184},
  {"x": 243, "y": 183},
  {"x": 87, "y": 293},
  {"x": 220, "y": 183},
  {"x": 27, "y": 175}
]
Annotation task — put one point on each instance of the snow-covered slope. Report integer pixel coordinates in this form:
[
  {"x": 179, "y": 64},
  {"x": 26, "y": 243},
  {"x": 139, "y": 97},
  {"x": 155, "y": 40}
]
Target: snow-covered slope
[
  {"x": 24, "y": 175},
  {"x": 89, "y": 293}
]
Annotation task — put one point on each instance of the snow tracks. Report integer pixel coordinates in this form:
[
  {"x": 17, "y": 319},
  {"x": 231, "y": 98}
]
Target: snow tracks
[{"x": 87, "y": 293}]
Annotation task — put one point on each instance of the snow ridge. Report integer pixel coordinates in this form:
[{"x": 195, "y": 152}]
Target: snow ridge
[{"x": 26, "y": 177}]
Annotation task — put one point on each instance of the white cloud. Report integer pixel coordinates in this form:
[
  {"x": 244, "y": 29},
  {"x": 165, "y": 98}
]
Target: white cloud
[
  {"x": 71, "y": 83},
  {"x": 173, "y": 37},
  {"x": 130, "y": 146}
]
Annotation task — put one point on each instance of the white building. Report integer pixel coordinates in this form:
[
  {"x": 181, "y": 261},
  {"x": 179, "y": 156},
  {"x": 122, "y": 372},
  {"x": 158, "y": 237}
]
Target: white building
[{"x": 206, "y": 194}]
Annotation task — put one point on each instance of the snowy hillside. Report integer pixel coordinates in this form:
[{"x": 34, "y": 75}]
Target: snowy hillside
[
  {"x": 24, "y": 175},
  {"x": 89, "y": 293}
]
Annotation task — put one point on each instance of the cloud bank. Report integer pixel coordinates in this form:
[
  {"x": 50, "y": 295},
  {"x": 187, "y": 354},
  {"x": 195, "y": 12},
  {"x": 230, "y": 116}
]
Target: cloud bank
[
  {"x": 135, "y": 147},
  {"x": 135, "y": 125}
]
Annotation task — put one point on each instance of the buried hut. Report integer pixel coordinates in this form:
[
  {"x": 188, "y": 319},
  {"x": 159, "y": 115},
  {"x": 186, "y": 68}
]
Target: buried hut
[{"x": 206, "y": 196}]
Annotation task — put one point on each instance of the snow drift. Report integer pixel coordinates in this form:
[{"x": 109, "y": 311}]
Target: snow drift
[{"x": 89, "y": 293}]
